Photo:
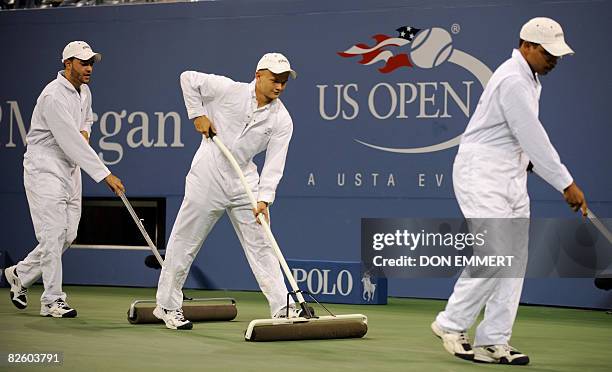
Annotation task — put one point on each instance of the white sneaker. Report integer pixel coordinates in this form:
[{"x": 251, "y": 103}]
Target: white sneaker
[
  {"x": 456, "y": 343},
  {"x": 174, "y": 319},
  {"x": 501, "y": 354},
  {"x": 58, "y": 309},
  {"x": 18, "y": 293},
  {"x": 294, "y": 312}
]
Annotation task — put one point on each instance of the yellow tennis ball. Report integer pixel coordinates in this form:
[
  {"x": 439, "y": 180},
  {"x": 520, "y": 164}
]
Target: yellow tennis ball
[{"x": 431, "y": 47}]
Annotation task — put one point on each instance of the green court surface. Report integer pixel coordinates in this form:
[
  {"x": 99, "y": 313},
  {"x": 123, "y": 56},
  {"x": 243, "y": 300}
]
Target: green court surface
[{"x": 399, "y": 338}]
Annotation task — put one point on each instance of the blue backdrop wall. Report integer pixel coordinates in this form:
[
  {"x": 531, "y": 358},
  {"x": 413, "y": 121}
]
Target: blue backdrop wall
[{"x": 369, "y": 140}]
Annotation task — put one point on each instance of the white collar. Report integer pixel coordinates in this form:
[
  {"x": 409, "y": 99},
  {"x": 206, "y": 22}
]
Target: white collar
[
  {"x": 254, "y": 98},
  {"x": 516, "y": 54},
  {"x": 64, "y": 81}
]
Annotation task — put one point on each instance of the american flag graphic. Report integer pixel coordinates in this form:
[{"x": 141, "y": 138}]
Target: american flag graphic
[{"x": 378, "y": 52}]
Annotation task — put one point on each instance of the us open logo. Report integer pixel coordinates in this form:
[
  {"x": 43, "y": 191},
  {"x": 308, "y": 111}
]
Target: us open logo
[{"x": 427, "y": 49}]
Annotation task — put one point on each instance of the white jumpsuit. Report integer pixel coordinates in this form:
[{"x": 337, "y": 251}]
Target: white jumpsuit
[
  {"x": 212, "y": 187},
  {"x": 56, "y": 153},
  {"x": 490, "y": 181}
]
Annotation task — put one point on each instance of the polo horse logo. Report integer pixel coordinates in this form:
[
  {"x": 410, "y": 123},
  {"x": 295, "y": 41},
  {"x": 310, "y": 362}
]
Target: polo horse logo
[{"x": 368, "y": 287}]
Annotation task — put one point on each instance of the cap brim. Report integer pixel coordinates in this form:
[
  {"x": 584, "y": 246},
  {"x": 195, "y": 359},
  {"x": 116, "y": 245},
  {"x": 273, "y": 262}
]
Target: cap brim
[
  {"x": 292, "y": 73},
  {"x": 85, "y": 56},
  {"x": 558, "y": 49}
]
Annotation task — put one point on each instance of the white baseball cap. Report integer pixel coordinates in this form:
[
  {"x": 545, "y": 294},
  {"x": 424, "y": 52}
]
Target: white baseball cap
[
  {"x": 548, "y": 33},
  {"x": 80, "y": 50},
  {"x": 275, "y": 62}
]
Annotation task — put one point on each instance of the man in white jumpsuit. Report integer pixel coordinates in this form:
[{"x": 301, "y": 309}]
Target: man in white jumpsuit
[
  {"x": 490, "y": 182},
  {"x": 249, "y": 118},
  {"x": 57, "y": 150}
]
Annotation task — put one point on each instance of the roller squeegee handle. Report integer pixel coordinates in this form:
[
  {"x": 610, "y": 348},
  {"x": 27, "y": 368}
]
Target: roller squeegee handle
[
  {"x": 599, "y": 225},
  {"x": 590, "y": 215},
  {"x": 141, "y": 227},
  {"x": 260, "y": 217}
]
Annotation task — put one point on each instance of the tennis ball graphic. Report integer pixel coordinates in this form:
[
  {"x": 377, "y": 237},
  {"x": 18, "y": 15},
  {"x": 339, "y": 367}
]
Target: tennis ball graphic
[{"x": 431, "y": 47}]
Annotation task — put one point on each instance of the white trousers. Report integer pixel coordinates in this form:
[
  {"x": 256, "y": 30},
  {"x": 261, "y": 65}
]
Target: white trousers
[
  {"x": 53, "y": 190},
  {"x": 490, "y": 185},
  {"x": 209, "y": 192}
]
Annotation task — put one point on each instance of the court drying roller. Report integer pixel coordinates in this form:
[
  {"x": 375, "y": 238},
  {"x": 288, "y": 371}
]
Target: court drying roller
[
  {"x": 307, "y": 327},
  {"x": 194, "y": 309}
]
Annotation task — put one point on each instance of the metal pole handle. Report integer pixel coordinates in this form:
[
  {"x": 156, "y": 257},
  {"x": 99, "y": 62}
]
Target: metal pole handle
[
  {"x": 599, "y": 225},
  {"x": 142, "y": 229},
  {"x": 261, "y": 218}
]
